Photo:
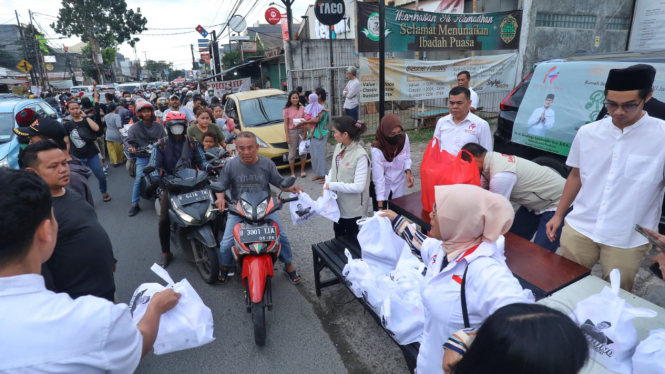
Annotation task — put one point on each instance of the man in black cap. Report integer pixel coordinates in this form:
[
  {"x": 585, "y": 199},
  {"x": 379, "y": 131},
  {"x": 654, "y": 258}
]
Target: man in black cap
[
  {"x": 542, "y": 118},
  {"x": 617, "y": 180},
  {"x": 50, "y": 129},
  {"x": 654, "y": 107}
]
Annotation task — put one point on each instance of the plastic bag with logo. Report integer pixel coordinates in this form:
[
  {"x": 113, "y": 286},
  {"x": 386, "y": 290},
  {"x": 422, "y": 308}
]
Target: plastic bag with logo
[
  {"x": 606, "y": 321},
  {"x": 440, "y": 168},
  {"x": 650, "y": 353},
  {"x": 303, "y": 148},
  {"x": 381, "y": 247},
  {"x": 326, "y": 206},
  {"x": 355, "y": 271},
  {"x": 303, "y": 209},
  {"x": 188, "y": 325}
]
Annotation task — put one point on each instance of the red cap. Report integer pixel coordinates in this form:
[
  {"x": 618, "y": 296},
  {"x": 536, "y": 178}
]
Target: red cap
[{"x": 80, "y": 93}]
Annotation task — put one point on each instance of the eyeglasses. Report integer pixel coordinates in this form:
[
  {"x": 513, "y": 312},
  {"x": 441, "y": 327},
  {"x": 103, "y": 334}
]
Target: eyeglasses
[{"x": 626, "y": 107}]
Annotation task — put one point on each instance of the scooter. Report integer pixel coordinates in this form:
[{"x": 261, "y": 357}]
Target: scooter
[
  {"x": 256, "y": 248},
  {"x": 194, "y": 218}
]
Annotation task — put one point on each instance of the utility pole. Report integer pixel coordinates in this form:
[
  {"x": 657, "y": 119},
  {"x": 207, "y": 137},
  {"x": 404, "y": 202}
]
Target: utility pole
[
  {"x": 289, "y": 16},
  {"x": 193, "y": 60},
  {"x": 33, "y": 40},
  {"x": 25, "y": 54},
  {"x": 382, "y": 59}
]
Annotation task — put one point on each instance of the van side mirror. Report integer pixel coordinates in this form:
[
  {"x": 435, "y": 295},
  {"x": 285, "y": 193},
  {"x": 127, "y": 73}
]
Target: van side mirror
[{"x": 288, "y": 182}]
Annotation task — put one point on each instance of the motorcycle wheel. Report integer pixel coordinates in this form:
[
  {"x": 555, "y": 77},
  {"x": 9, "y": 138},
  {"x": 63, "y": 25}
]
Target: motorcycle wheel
[
  {"x": 209, "y": 264},
  {"x": 259, "y": 319}
]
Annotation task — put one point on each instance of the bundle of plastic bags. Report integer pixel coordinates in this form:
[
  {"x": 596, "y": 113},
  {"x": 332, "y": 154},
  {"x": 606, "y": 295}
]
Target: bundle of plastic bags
[
  {"x": 606, "y": 321},
  {"x": 188, "y": 325},
  {"x": 650, "y": 353},
  {"x": 305, "y": 208},
  {"x": 381, "y": 247}
]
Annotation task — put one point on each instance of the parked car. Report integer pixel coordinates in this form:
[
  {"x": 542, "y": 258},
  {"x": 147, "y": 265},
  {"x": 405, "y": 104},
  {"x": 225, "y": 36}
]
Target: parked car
[
  {"x": 577, "y": 84},
  {"x": 261, "y": 112},
  {"x": 9, "y": 107}
]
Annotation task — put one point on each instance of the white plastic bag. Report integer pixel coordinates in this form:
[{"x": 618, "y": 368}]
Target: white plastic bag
[
  {"x": 606, "y": 321},
  {"x": 303, "y": 148},
  {"x": 650, "y": 353},
  {"x": 381, "y": 247},
  {"x": 402, "y": 312},
  {"x": 326, "y": 206},
  {"x": 188, "y": 325},
  {"x": 355, "y": 271},
  {"x": 303, "y": 209}
]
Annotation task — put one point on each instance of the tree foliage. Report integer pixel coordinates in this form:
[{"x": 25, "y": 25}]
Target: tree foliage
[{"x": 109, "y": 21}]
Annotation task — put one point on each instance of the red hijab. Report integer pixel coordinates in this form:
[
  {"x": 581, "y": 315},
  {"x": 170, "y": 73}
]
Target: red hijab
[{"x": 390, "y": 150}]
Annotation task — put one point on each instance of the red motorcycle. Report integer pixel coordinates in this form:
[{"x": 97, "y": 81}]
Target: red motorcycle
[{"x": 256, "y": 248}]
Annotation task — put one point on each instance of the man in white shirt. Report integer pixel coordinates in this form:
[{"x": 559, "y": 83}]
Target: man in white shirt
[
  {"x": 174, "y": 101},
  {"x": 352, "y": 93},
  {"x": 537, "y": 189},
  {"x": 542, "y": 118},
  {"x": 464, "y": 80},
  {"x": 617, "y": 180},
  {"x": 45, "y": 332},
  {"x": 461, "y": 126}
]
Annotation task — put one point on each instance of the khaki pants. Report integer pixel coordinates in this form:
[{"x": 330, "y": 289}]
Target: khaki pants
[
  {"x": 102, "y": 149},
  {"x": 116, "y": 153},
  {"x": 294, "y": 144},
  {"x": 584, "y": 251}
]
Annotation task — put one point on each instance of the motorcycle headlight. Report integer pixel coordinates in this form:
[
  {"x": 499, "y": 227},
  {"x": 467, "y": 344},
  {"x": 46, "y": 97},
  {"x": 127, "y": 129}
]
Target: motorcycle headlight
[
  {"x": 185, "y": 217},
  {"x": 209, "y": 212},
  {"x": 262, "y": 144},
  {"x": 261, "y": 209},
  {"x": 247, "y": 209},
  {"x": 4, "y": 163}
]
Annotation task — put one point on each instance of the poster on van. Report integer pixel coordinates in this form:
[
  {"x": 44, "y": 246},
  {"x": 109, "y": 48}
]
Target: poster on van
[{"x": 564, "y": 96}]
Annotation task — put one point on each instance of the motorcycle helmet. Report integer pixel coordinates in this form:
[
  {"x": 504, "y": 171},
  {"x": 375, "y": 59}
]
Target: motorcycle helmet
[
  {"x": 147, "y": 191},
  {"x": 175, "y": 119},
  {"x": 142, "y": 104},
  {"x": 162, "y": 103},
  {"x": 190, "y": 93}
]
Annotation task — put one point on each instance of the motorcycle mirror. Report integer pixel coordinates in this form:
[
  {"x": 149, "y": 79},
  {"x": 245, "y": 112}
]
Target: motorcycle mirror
[
  {"x": 149, "y": 169},
  {"x": 288, "y": 182}
]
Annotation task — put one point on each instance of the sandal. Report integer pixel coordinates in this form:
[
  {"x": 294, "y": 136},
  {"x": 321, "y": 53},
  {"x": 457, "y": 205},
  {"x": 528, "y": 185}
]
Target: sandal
[
  {"x": 322, "y": 181},
  {"x": 164, "y": 261},
  {"x": 106, "y": 197},
  {"x": 293, "y": 276},
  {"x": 223, "y": 276},
  {"x": 303, "y": 175}
]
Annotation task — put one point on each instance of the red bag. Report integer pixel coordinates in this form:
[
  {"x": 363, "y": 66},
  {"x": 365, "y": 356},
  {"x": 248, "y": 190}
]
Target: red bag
[{"x": 440, "y": 168}]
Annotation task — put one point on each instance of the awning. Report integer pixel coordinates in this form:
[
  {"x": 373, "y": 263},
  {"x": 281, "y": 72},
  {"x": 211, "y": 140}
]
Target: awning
[
  {"x": 10, "y": 81},
  {"x": 228, "y": 70}
]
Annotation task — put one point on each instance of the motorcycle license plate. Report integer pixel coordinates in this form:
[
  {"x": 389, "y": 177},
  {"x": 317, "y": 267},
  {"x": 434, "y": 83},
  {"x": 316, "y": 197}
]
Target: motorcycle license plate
[
  {"x": 192, "y": 197},
  {"x": 258, "y": 234}
]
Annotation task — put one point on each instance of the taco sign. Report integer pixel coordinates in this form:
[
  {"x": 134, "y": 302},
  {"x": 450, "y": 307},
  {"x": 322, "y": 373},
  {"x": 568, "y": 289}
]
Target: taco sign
[{"x": 329, "y": 12}]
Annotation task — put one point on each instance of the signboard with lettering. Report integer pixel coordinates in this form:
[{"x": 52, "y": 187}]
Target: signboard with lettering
[
  {"x": 410, "y": 30},
  {"x": 221, "y": 87},
  {"x": 421, "y": 80},
  {"x": 329, "y": 12}
]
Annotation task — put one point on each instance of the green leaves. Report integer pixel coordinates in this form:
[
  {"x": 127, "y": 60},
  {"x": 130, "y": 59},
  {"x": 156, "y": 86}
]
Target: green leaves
[{"x": 109, "y": 22}]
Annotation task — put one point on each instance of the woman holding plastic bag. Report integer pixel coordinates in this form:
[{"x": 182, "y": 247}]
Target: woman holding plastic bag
[
  {"x": 391, "y": 161},
  {"x": 318, "y": 136},
  {"x": 294, "y": 110},
  {"x": 349, "y": 175},
  {"x": 466, "y": 246}
]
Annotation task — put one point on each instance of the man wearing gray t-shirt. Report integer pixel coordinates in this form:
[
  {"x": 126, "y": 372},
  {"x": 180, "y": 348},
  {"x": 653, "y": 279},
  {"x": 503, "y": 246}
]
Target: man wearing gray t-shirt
[{"x": 251, "y": 173}]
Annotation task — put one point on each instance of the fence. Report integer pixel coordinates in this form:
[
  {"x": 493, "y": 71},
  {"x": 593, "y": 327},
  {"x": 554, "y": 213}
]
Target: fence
[{"x": 413, "y": 114}]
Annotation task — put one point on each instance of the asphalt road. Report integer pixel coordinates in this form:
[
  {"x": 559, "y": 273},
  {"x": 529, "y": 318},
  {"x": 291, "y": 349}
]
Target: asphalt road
[{"x": 305, "y": 334}]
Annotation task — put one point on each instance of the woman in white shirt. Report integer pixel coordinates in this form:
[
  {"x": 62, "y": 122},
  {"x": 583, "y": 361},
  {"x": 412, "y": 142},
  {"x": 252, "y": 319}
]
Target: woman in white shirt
[
  {"x": 466, "y": 244},
  {"x": 391, "y": 161}
]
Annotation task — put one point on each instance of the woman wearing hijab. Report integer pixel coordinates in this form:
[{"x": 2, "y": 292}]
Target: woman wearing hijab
[
  {"x": 466, "y": 243},
  {"x": 318, "y": 133},
  {"x": 391, "y": 161}
]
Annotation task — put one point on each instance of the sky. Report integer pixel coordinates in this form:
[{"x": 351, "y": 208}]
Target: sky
[{"x": 170, "y": 24}]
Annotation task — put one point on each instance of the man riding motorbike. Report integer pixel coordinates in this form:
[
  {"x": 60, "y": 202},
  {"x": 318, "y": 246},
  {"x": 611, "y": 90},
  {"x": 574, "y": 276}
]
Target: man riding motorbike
[
  {"x": 140, "y": 134},
  {"x": 165, "y": 156},
  {"x": 162, "y": 106},
  {"x": 249, "y": 173}
]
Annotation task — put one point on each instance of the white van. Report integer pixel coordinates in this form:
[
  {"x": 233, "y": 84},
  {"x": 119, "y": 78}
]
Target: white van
[
  {"x": 130, "y": 87},
  {"x": 77, "y": 89}
]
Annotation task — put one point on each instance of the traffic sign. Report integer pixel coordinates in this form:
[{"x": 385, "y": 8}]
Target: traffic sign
[
  {"x": 273, "y": 16},
  {"x": 202, "y": 31},
  {"x": 329, "y": 12},
  {"x": 203, "y": 40},
  {"x": 205, "y": 56},
  {"x": 24, "y": 66}
]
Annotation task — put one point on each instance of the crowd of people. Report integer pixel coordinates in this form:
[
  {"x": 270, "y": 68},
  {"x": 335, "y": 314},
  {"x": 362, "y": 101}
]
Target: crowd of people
[{"x": 48, "y": 221}]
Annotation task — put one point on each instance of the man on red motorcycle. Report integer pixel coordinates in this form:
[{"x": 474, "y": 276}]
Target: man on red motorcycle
[
  {"x": 166, "y": 156},
  {"x": 251, "y": 173}
]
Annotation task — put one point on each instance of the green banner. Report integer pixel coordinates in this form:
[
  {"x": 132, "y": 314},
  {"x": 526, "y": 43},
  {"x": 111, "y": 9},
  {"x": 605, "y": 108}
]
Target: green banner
[{"x": 410, "y": 30}]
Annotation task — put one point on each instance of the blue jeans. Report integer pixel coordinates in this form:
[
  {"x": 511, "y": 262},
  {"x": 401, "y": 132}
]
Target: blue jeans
[
  {"x": 227, "y": 240},
  {"x": 527, "y": 223},
  {"x": 95, "y": 164},
  {"x": 353, "y": 113},
  {"x": 136, "y": 192}
]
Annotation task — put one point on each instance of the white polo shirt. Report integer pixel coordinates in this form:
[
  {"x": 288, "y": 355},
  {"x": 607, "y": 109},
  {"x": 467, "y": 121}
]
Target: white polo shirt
[
  {"x": 472, "y": 129},
  {"x": 475, "y": 100},
  {"x": 45, "y": 332},
  {"x": 622, "y": 176}
]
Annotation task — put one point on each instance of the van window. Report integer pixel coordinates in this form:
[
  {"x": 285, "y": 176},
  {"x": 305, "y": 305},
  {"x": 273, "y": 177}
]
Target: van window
[
  {"x": 6, "y": 127},
  {"x": 262, "y": 110}
]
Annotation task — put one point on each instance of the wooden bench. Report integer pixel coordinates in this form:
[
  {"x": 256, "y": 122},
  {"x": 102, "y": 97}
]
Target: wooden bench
[
  {"x": 330, "y": 255},
  {"x": 537, "y": 269}
]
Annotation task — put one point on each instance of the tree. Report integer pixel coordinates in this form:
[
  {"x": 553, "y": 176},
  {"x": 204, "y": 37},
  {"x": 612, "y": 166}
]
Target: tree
[
  {"x": 231, "y": 59},
  {"x": 106, "y": 22}
]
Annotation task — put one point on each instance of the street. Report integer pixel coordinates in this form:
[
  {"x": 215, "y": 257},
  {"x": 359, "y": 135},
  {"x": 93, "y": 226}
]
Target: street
[{"x": 305, "y": 334}]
